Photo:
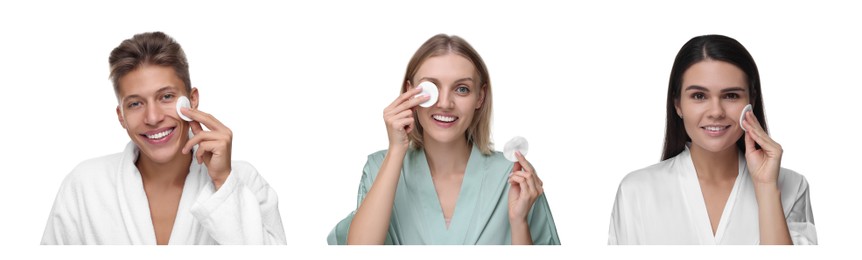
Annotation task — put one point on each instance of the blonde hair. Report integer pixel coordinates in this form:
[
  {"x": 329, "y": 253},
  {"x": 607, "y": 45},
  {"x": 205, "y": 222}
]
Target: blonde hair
[{"x": 479, "y": 131}]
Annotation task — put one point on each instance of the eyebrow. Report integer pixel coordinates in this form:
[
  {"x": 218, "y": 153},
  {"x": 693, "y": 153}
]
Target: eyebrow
[
  {"x": 731, "y": 89},
  {"x": 434, "y": 80},
  {"x": 163, "y": 89}
]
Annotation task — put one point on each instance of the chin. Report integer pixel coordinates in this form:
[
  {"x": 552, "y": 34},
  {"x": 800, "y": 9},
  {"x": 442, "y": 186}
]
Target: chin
[
  {"x": 716, "y": 145},
  {"x": 161, "y": 155},
  {"x": 444, "y": 137}
]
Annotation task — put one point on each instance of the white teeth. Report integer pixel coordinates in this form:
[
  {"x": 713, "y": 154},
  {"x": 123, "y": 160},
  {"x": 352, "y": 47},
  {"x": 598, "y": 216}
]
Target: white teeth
[
  {"x": 714, "y": 128},
  {"x": 446, "y": 119},
  {"x": 160, "y": 135}
]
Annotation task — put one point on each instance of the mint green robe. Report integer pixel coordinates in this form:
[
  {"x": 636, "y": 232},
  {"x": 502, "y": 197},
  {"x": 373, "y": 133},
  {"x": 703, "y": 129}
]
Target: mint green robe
[{"x": 481, "y": 212}]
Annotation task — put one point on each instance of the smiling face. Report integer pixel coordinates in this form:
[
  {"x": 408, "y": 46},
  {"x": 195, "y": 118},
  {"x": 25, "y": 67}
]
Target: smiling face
[
  {"x": 712, "y": 97},
  {"x": 460, "y": 96},
  {"x": 147, "y": 110}
]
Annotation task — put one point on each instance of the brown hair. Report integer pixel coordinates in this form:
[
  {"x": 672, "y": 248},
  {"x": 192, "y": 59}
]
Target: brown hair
[
  {"x": 152, "y": 48},
  {"x": 479, "y": 131}
]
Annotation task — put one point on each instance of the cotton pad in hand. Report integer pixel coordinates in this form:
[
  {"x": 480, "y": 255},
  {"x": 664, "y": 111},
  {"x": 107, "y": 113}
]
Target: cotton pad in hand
[
  {"x": 183, "y": 101},
  {"x": 742, "y": 116},
  {"x": 429, "y": 89},
  {"x": 516, "y": 144}
]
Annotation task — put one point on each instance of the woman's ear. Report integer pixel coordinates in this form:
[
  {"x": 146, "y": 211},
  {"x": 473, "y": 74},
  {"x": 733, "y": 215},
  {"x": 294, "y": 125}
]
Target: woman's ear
[
  {"x": 678, "y": 109},
  {"x": 193, "y": 97},
  {"x": 407, "y": 86},
  {"x": 481, "y": 99}
]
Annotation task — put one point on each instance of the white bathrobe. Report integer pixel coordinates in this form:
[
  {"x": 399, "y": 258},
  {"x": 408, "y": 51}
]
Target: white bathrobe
[
  {"x": 663, "y": 204},
  {"x": 102, "y": 201}
]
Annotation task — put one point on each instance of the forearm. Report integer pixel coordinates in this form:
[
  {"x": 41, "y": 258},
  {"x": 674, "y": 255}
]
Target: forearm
[
  {"x": 371, "y": 220},
  {"x": 521, "y": 232},
  {"x": 773, "y": 225}
]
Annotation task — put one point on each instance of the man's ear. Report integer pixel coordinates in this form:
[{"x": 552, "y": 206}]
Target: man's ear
[
  {"x": 193, "y": 97},
  {"x": 120, "y": 117}
]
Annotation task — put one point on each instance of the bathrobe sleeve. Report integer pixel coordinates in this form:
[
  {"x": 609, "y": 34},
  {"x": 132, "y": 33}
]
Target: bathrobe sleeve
[
  {"x": 243, "y": 211},
  {"x": 543, "y": 230},
  {"x": 338, "y": 235},
  {"x": 800, "y": 219}
]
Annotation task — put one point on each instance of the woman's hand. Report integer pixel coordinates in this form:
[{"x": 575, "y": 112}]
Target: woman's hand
[
  {"x": 214, "y": 146},
  {"x": 399, "y": 118},
  {"x": 763, "y": 164},
  {"x": 525, "y": 189}
]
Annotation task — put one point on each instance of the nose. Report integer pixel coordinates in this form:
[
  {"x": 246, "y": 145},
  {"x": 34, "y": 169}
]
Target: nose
[
  {"x": 445, "y": 99},
  {"x": 716, "y": 109},
  {"x": 155, "y": 114}
]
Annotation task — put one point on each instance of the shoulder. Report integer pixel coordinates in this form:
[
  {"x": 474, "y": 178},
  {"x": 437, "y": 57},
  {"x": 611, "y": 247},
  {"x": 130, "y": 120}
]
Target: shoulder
[
  {"x": 93, "y": 176},
  {"x": 248, "y": 173},
  {"x": 376, "y": 158},
  {"x": 496, "y": 162},
  {"x": 92, "y": 170},
  {"x": 650, "y": 175},
  {"x": 791, "y": 182}
]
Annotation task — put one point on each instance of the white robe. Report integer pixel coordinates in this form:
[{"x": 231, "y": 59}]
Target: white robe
[
  {"x": 663, "y": 204},
  {"x": 102, "y": 201}
]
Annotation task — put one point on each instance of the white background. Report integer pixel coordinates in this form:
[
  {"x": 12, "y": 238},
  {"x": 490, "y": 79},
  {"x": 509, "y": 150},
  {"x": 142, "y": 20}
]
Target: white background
[{"x": 303, "y": 86}]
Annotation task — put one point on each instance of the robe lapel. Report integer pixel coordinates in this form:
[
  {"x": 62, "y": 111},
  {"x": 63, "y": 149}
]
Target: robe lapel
[
  {"x": 132, "y": 200},
  {"x": 423, "y": 206},
  {"x": 432, "y": 224},
  {"x": 726, "y": 214},
  {"x": 693, "y": 197},
  {"x": 465, "y": 217},
  {"x": 185, "y": 231}
]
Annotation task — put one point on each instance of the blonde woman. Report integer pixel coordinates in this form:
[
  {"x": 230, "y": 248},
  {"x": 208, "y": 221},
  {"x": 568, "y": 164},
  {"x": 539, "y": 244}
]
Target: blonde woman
[{"x": 440, "y": 182}]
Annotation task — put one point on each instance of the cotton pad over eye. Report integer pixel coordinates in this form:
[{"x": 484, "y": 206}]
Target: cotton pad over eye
[
  {"x": 516, "y": 144},
  {"x": 742, "y": 116},
  {"x": 182, "y": 102},
  {"x": 429, "y": 89}
]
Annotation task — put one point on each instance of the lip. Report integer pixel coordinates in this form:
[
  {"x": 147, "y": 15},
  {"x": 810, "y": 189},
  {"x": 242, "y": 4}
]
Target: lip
[
  {"x": 161, "y": 140},
  {"x": 437, "y": 118},
  {"x": 715, "y": 130}
]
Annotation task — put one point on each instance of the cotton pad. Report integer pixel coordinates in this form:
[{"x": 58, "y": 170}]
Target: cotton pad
[
  {"x": 183, "y": 102},
  {"x": 742, "y": 116},
  {"x": 516, "y": 144},
  {"x": 429, "y": 89}
]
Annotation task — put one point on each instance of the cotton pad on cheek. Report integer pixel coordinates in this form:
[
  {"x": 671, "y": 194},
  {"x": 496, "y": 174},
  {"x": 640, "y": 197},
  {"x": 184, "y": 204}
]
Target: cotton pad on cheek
[
  {"x": 516, "y": 144},
  {"x": 742, "y": 116},
  {"x": 429, "y": 89},
  {"x": 183, "y": 102}
]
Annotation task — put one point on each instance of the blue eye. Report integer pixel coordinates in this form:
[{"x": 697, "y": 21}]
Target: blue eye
[
  {"x": 168, "y": 96},
  {"x": 462, "y": 89}
]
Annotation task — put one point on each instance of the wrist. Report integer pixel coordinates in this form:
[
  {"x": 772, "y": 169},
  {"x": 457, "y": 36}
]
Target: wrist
[
  {"x": 398, "y": 149},
  {"x": 766, "y": 191},
  {"x": 516, "y": 222},
  {"x": 219, "y": 178}
]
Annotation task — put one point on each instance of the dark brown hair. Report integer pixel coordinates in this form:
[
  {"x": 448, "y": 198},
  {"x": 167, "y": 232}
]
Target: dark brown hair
[
  {"x": 152, "y": 48},
  {"x": 707, "y": 47}
]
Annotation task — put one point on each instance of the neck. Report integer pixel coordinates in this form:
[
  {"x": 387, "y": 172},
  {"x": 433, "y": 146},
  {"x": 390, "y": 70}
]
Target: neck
[
  {"x": 447, "y": 158},
  {"x": 172, "y": 173},
  {"x": 715, "y": 165}
]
